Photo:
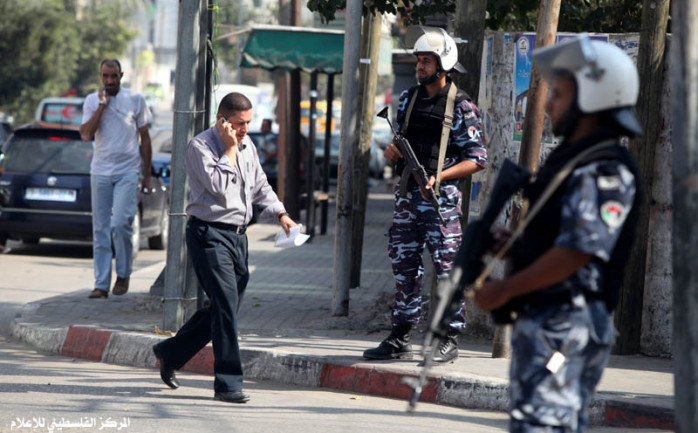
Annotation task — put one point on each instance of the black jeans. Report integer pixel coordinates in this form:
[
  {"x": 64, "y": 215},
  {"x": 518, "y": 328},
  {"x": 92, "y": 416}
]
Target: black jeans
[{"x": 219, "y": 257}]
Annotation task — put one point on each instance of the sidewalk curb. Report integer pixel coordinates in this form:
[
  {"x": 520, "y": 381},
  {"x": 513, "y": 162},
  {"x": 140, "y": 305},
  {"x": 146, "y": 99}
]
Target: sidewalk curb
[{"x": 466, "y": 391}]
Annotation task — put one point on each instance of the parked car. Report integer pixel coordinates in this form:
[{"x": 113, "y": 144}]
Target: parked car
[
  {"x": 382, "y": 134},
  {"x": 45, "y": 190},
  {"x": 59, "y": 112},
  {"x": 376, "y": 161},
  {"x": 161, "y": 143},
  {"x": 264, "y": 143}
]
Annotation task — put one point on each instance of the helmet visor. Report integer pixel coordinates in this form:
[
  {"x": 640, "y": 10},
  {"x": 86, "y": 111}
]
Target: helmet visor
[
  {"x": 435, "y": 37},
  {"x": 571, "y": 55}
]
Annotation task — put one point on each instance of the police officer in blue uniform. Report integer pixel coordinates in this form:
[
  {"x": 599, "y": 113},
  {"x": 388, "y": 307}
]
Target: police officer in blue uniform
[
  {"x": 421, "y": 115},
  {"x": 568, "y": 264}
]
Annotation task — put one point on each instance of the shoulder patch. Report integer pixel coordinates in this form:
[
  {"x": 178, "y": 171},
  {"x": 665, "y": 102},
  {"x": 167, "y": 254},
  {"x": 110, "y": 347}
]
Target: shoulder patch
[{"x": 612, "y": 213}]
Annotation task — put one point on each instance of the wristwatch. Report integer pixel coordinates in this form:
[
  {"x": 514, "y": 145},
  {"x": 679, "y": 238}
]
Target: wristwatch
[
  {"x": 103, "y": 102},
  {"x": 283, "y": 214}
]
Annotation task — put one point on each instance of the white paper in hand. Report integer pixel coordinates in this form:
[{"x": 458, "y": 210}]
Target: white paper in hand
[{"x": 295, "y": 239}]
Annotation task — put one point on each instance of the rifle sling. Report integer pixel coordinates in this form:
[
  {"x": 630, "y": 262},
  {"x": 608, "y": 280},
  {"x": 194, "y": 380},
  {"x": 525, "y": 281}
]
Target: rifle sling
[
  {"x": 445, "y": 133},
  {"x": 545, "y": 196}
]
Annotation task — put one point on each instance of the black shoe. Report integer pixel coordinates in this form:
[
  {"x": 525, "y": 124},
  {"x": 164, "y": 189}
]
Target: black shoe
[
  {"x": 396, "y": 346},
  {"x": 167, "y": 374},
  {"x": 98, "y": 294},
  {"x": 448, "y": 349},
  {"x": 120, "y": 286},
  {"x": 232, "y": 397}
]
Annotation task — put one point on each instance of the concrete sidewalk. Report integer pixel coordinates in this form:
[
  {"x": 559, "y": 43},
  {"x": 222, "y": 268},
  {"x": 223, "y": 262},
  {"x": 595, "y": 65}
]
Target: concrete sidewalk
[{"x": 289, "y": 336}]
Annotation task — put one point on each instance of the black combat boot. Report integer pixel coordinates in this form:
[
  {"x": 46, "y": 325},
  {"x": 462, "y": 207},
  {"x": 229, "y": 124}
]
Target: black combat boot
[
  {"x": 448, "y": 348},
  {"x": 396, "y": 346}
]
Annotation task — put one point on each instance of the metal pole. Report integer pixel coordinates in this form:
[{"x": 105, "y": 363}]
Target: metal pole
[
  {"x": 310, "y": 160},
  {"x": 205, "y": 121},
  {"x": 238, "y": 46},
  {"x": 684, "y": 139},
  {"x": 326, "y": 160},
  {"x": 183, "y": 129},
  {"x": 348, "y": 142}
]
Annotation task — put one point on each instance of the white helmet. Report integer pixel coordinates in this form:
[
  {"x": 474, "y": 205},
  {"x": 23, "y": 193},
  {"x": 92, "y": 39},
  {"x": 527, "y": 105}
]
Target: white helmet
[
  {"x": 606, "y": 77},
  {"x": 436, "y": 41}
]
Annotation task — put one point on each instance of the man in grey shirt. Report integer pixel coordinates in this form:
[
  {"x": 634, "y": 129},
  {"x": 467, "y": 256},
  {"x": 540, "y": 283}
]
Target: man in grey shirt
[{"x": 226, "y": 180}]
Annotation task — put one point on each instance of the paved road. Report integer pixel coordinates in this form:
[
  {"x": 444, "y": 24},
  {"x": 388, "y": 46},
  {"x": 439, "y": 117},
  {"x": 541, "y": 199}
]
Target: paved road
[{"x": 40, "y": 389}]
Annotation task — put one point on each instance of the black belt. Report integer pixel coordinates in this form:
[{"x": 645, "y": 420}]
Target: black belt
[
  {"x": 240, "y": 230},
  {"x": 539, "y": 300}
]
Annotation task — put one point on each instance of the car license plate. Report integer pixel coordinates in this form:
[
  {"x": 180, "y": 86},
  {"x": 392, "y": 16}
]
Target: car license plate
[{"x": 50, "y": 194}]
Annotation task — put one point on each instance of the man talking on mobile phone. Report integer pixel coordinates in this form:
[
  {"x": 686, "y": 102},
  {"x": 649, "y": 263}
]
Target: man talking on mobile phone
[
  {"x": 225, "y": 179},
  {"x": 117, "y": 120}
]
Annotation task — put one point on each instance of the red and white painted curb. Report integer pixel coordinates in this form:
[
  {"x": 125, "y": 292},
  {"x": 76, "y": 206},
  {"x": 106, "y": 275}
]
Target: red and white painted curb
[{"x": 473, "y": 392}]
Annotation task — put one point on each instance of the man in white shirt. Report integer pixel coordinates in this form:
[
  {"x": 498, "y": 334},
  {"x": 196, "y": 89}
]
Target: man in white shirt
[{"x": 117, "y": 119}]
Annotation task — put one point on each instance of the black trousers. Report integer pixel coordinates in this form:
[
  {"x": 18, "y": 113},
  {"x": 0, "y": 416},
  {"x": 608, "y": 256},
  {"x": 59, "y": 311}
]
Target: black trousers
[{"x": 220, "y": 258}]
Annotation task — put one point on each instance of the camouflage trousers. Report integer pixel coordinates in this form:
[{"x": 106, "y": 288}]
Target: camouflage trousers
[
  {"x": 416, "y": 225},
  {"x": 558, "y": 356}
]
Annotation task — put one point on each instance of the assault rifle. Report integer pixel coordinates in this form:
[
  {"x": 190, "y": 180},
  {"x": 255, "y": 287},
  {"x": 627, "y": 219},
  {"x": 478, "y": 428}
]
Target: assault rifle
[
  {"x": 467, "y": 268},
  {"x": 416, "y": 169}
]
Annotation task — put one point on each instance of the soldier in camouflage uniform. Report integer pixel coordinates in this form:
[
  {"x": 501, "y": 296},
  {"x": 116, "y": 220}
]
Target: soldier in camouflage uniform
[
  {"x": 568, "y": 263},
  {"x": 415, "y": 220}
]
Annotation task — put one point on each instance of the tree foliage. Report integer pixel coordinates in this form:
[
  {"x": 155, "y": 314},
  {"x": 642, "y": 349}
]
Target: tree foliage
[
  {"x": 227, "y": 19},
  {"x": 412, "y": 11},
  {"x": 47, "y": 50},
  {"x": 598, "y": 16},
  {"x": 594, "y": 16}
]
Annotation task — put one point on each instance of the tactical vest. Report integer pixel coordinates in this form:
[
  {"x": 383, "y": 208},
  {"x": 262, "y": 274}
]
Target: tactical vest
[
  {"x": 542, "y": 231},
  {"x": 425, "y": 125}
]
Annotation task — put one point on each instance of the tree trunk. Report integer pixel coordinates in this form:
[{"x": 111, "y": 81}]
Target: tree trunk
[
  {"x": 349, "y": 142},
  {"x": 684, "y": 137},
  {"x": 529, "y": 153},
  {"x": 650, "y": 64},
  {"x": 368, "y": 77}
]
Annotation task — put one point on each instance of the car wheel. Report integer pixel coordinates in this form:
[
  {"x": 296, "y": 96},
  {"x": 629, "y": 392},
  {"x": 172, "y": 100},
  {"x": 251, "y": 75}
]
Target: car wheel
[
  {"x": 159, "y": 242},
  {"x": 136, "y": 236}
]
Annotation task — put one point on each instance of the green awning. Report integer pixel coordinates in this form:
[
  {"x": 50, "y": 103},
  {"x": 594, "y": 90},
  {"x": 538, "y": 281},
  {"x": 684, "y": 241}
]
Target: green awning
[{"x": 293, "y": 48}]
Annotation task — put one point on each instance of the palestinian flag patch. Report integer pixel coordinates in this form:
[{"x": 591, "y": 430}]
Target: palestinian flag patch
[{"x": 612, "y": 213}]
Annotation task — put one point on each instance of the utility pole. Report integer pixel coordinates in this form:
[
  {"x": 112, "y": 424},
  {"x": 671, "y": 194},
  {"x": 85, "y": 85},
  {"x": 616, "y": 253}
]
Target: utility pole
[
  {"x": 529, "y": 152},
  {"x": 470, "y": 27},
  {"x": 650, "y": 65},
  {"x": 188, "y": 42},
  {"x": 368, "y": 77},
  {"x": 348, "y": 142},
  {"x": 310, "y": 159},
  {"x": 288, "y": 85},
  {"x": 684, "y": 139}
]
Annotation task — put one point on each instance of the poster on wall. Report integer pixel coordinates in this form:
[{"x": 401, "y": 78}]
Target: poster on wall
[{"x": 522, "y": 77}]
